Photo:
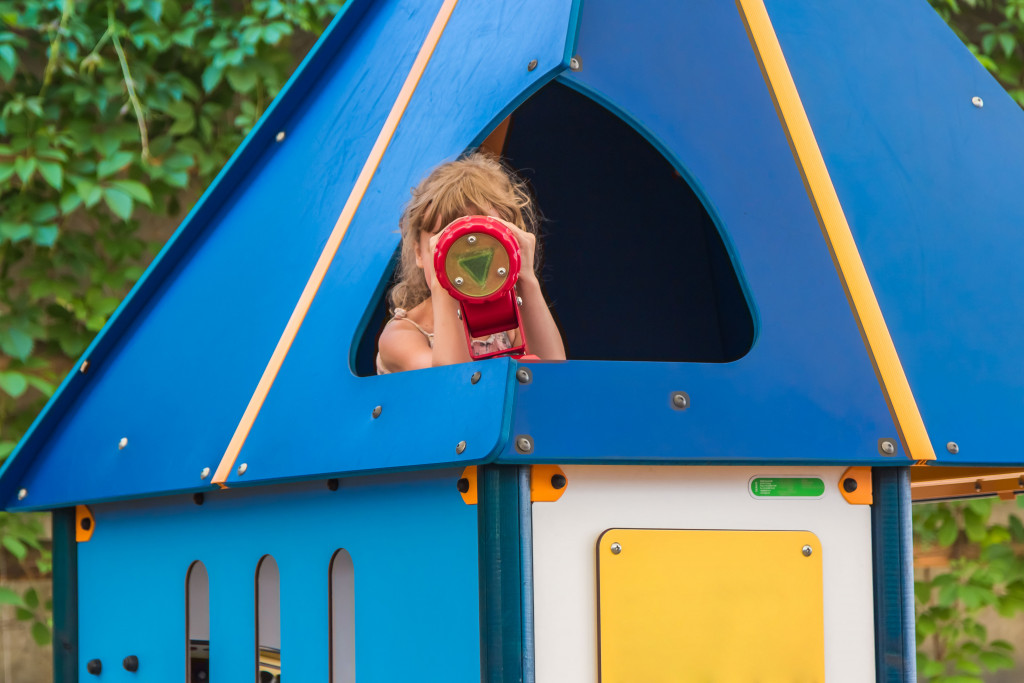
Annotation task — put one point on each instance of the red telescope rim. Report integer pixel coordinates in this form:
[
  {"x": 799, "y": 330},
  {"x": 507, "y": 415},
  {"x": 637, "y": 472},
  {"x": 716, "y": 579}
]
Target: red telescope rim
[{"x": 479, "y": 225}]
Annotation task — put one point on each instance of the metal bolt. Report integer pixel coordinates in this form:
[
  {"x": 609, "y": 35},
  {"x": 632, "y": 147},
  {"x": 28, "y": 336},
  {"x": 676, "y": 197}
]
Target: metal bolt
[
  {"x": 332, "y": 484},
  {"x": 123, "y": 443},
  {"x": 616, "y": 548},
  {"x": 459, "y": 447},
  {"x": 471, "y": 239},
  {"x": 280, "y": 136},
  {"x": 886, "y": 446},
  {"x": 242, "y": 468},
  {"x": 519, "y": 300},
  {"x": 952, "y": 447},
  {"x": 524, "y": 444},
  {"x": 576, "y": 63},
  {"x": 502, "y": 272},
  {"x": 197, "y": 498},
  {"x": 475, "y": 378},
  {"x": 977, "y": 102},
  {"x": 84, "y": 367},
  {"x": 849, "y": 484},
  {"x": 680, "y": 400},
  {"x": 558, "y": 481},
  {"x": 532, "y": 65},
  {"x": 205, "y": 473},
  {"x": 22, "y": 494},
  {"x": 458, "y": 314},
  {"x": 376, "y": 412},
  {"x": 462, "y": 485},
  {"x": 458, "y": 282},
  {"x": 524, "y": 375},
  {"x": 807, "y": 550}
]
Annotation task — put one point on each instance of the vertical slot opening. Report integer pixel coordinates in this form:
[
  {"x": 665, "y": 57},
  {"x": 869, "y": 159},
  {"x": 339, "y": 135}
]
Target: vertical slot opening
[
  {"x": 341, "y": 586},
  {"x": 268, "y": 621},
  {"x": 197, "y": 624}
]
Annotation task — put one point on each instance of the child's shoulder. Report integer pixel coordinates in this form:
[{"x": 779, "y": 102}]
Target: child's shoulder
[{"x": 404, "y": 343}]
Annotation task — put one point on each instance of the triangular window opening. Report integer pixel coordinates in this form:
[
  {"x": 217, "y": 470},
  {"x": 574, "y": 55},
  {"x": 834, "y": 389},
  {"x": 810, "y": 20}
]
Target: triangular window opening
[{"x": 632, "y": 263}]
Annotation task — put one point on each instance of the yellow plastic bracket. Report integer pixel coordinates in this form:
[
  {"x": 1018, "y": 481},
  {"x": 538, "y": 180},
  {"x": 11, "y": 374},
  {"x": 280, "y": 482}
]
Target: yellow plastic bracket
[
  {"x": 855, "y": 485},
  {"x": 467, "y": 485},
  {"x": 547, "y": 483},
  {"x": 85, "y": 523}
]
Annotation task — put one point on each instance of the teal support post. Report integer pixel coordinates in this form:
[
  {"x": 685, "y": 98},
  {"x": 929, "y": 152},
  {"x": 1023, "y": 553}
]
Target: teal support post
[
  {"x": 501, "y": 619},
  {"x": 892, "y": 541},
  {"x": 65, "y": 597}
]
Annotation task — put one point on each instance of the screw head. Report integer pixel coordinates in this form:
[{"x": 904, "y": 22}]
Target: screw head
[
  {"x": 532, "y": 65},
  {"x": 849, "y": 484},
  {"x": 977, "y": 102},
  {"x": 280, "y": 136},
  {"x": 87, "y": 523},
  {"x": 616, "y": 548},
  {"x": 94, "y": 666},
  {"x": 886, "y": 446},
  {"x": 471, "y": 239},
  {"x": 332, "y": 484},
  {"x": 576, "y": 63},
  {"x": 376, "y": 412},
  {"x": 123, "y": 443},
  {"x": 952, "y": 447},
  {"x": 205, "y": 473},
  {"x": 459, "y": 447},
  {"x": 524, "y": 375},
  {"x": 197, "y": 498},
  {"x": 502, "y": 272},
  {"x": 524, "y": 444},
  {"x": 462, "y": 485},
  {"x": 558, "y": 481},
  {"x": 680, "y": 400},
  {"x": 22, "y": 493},
  {"x": 475, "y": 378},
  {"x": 131, "y": 663},
  {"x": 807, "y": 550},
  {"x": 242, "y": 468},
  {"x": 458, "y": 281}
]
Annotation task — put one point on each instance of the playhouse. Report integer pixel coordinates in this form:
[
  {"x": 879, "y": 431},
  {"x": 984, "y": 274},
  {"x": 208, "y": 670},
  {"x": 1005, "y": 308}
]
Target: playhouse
[{"x": 786, "y": 266}]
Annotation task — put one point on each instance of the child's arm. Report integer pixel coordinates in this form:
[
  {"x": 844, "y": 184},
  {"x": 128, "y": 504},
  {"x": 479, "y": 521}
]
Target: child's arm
[
  {"x": 449, "y": 335},
  {"x": 542, "y": 334}
]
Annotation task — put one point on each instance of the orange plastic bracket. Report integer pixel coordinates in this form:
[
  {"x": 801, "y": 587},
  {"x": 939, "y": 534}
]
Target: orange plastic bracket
[
  {"x": 855, "y": 485},
  {"x": 467, "y": 485},
  {"x": 547, "y": 483},
  {"x": 85, "y": 523}
]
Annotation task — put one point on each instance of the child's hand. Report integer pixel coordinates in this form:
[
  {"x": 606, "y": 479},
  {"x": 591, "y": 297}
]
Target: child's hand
[
  {"x": 527, "y": 247},
  {"x": 428, "y": 263}
]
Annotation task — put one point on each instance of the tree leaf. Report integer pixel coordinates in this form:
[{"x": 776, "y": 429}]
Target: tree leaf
[
  {"x": 114, "y": 163},
  {"x": 53, "y": 173},
  {"x": 9, "y": 597},
  {"x": 119, "y": 202},
  {"x": 135, "y": 190},
  {"x": 41, "y": 633},
  {"x": 31, "y": 598},
  {"x": 14, "y": 546},
  {"x": 45, "y": 235},
  {"x": 16, "y": 343}
]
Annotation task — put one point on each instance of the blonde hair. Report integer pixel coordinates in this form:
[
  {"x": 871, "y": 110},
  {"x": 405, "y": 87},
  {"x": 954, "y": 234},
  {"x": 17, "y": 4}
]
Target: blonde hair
[{"x": 476, "y": 182}]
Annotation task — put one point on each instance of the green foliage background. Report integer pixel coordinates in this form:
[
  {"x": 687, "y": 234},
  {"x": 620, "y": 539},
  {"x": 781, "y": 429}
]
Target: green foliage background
[{"x": 114, "y": 114}]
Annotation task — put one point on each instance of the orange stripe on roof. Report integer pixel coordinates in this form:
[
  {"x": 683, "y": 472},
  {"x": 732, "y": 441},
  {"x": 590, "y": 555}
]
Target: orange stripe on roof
[
  {"x": 316, "y": 278},
  {"x": 836, "y": 230}
]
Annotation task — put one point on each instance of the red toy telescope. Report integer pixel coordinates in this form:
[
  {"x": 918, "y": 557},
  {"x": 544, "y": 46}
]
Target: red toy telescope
[{"x": 477, "y": 262}]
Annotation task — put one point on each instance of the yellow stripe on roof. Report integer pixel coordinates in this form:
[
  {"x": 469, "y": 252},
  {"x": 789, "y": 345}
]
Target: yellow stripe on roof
[
  {"x": 836, "y": 230},
  {"x": 316, "y": 278}
]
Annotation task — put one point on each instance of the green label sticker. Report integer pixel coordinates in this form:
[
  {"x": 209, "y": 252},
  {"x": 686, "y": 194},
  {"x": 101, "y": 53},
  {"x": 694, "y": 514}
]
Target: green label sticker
[{"x": 787, "y": 487}]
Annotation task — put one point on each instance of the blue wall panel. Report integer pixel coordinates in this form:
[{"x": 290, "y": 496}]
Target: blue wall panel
[
  {"x": 931, "y": 187},
  {"x": 413, "y": 543},
  {"x": 686, "y": 76}
]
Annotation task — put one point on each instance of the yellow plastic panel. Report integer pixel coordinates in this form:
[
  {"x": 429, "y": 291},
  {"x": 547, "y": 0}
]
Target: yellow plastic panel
[{"x": 682, "y": 605}]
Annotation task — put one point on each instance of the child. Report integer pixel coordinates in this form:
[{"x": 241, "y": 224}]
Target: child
[{"x": 425, "y": 330}]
